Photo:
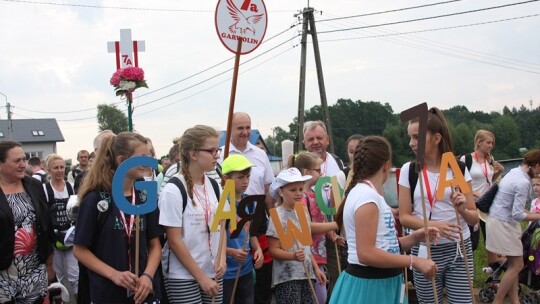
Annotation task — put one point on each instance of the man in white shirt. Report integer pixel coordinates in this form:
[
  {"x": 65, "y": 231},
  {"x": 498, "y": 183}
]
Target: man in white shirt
[{"x": 261, "y": 175}]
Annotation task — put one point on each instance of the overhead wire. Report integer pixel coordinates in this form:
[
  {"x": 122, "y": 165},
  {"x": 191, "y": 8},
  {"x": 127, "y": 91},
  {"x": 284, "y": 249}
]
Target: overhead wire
[
  {"x": 388, "y": 11},
  {"x": 215, "y": 85},
  {"x": 427, "y": 18},
  {"x": 124, "y": 8},
  {"x": 389, "y": 33}
]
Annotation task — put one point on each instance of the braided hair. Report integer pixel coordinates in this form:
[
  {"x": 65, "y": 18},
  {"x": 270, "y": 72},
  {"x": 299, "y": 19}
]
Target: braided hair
[{"x": 370, "y": 155}]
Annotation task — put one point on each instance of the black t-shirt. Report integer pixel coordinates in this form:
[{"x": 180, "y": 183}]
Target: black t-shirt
[{"x": 109, "y": 243}]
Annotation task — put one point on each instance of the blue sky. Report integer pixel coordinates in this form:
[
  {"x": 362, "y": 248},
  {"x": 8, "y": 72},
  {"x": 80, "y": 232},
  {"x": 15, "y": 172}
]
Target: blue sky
[{"x": 54, "y": 59}]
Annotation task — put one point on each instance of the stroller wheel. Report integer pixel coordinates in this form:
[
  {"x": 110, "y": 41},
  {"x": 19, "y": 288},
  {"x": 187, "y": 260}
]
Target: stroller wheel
[
  {"x": 527, "y": 298},
  {"x": 486, "y": 295}
]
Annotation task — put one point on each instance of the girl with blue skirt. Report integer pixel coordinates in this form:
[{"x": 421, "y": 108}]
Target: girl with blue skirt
[{"x": 374, "y": 273}]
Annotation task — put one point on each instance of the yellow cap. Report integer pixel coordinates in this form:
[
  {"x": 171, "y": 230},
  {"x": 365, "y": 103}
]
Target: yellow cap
[{"x": 235, "y": 163}]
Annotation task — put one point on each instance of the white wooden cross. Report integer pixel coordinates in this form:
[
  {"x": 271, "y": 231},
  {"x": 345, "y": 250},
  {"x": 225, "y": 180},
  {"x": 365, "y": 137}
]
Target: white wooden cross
[{"x": 126, "y": 49}]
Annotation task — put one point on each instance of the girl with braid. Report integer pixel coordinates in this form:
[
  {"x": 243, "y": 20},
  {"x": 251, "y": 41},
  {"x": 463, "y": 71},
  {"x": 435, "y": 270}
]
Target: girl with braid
[
  {"x": 189, "y": 259},
  {"x": 441, "y": 213},
  {"x": 374, "y": 273}
]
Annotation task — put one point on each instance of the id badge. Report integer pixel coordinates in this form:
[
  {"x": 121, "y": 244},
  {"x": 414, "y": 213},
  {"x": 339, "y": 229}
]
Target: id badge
[{"x": 422, "y": 251}]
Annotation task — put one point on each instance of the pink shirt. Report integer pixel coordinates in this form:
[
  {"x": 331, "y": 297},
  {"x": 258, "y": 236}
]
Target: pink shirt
[{"x": 318, "y": 248}]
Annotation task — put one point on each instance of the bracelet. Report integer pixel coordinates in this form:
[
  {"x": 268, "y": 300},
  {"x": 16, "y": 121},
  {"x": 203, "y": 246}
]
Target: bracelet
[
  {"x": 152, "y": 278},
  {"x": 410, "y": 266}
]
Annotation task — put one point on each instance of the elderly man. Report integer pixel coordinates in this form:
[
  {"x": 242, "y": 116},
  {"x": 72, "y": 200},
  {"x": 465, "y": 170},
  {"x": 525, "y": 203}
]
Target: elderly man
[
  {"x": 316, "y": 140},
  {"x": 259, "y": 183}
]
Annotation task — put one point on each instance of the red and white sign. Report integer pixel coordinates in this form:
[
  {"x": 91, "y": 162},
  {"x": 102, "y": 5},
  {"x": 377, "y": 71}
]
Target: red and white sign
[{"x": 241, "y": 19}]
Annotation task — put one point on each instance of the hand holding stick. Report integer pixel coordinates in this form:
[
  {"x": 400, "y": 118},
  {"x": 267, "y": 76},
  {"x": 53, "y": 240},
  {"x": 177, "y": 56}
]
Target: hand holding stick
[{"x": 463, "y": 249}]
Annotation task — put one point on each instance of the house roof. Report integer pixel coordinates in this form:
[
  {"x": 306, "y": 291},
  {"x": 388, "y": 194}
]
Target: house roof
[{"x": 31, "y": 130}]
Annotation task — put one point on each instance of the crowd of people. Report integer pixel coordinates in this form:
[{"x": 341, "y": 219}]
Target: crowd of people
[{"x": 357, "y": 256}]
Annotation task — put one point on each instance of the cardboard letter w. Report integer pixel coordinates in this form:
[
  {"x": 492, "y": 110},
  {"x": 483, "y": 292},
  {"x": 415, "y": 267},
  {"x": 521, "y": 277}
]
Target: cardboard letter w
[{"x": 288, "y": 238}]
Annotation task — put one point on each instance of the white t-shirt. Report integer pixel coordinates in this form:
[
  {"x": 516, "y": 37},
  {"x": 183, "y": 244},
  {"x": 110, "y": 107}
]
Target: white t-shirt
[
  {"x": 262, "y": 174},
  {"x": 443, "y": 210},
  {"x": 202, "y": 245},
  {"x": 386, "y": 239},
  {"x": 478, "y": 178}
]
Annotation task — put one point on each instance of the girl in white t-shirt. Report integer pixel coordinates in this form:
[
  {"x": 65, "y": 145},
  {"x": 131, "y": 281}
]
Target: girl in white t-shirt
[
  {"x": 374, "y": 273},
  {"x": 452, "y": 273},
  {"x": 193, "y": 273}
]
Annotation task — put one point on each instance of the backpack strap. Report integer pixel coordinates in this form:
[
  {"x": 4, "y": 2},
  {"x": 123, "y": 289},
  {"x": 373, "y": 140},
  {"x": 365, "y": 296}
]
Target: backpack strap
[
  {"x": 50, "y": 193},
  {"x": 215, "y": 186},
  {"x": 338, "y": 160},
  {"x": 178, "y": 183},
  {"x": 218, "y": 170},
  {"x": 413, "y": 179},
  {"x": 69, "y": 189},
  {"x": 468, "y": 161}
]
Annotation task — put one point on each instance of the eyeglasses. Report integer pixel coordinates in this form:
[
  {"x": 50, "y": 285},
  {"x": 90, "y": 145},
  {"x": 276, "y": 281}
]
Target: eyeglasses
[{"x": 214, "y": 152}]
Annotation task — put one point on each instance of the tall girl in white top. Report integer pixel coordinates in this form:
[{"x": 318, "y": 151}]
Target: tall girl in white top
[
  {"x": 189, "y": 257},
  {"x": 452, "y": 274}
]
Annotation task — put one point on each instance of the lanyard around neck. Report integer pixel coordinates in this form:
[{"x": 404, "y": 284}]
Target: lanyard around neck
[{"x": 484, "y": 169}]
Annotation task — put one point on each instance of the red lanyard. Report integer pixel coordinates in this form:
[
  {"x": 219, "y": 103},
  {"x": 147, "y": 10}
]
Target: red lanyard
[
  {"x": 207, "y": 211},
  {"x": 130, "y": 229},
  {"x": 324, "y": 166},
  {"x": 485, "y": 169},
  {"x": 431, "y": 198}
]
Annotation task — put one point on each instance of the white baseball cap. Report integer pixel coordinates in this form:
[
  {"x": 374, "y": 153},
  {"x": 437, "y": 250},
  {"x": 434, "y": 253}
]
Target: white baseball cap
[{"x": 287, "y": 176}]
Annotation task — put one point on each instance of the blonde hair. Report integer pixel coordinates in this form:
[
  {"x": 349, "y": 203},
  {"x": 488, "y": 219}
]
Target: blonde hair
[
  {"x": 192, "y": 140},
  {"x": 100, "y": 175},
  {"x": 305, "y": 160},
  {"x": 482, "y": 136},
  {"x": 49, "y": 161}
]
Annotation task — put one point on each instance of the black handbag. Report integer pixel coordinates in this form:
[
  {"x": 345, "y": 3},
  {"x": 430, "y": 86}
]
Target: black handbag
[{"x": 485, "y": 201}]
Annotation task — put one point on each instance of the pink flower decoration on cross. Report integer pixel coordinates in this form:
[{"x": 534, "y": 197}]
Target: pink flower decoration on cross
[{"x": 126, "y": 80}]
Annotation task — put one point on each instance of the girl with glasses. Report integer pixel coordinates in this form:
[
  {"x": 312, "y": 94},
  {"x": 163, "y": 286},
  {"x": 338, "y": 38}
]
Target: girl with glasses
[{"x": 193, "y": 271}]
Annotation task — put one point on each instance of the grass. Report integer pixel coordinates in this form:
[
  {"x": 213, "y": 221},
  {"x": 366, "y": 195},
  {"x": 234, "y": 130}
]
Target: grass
[{"x": 480, "y": 261}]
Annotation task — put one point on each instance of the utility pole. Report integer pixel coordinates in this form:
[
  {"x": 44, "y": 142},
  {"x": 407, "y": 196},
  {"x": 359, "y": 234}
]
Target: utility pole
[
  {"x": 8, "y": 108},
  {"x": 308, "y": 26}
]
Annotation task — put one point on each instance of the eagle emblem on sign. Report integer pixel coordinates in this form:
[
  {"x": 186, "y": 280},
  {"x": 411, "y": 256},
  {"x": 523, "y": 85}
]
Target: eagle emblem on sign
[{"x": 242, "y": 23}]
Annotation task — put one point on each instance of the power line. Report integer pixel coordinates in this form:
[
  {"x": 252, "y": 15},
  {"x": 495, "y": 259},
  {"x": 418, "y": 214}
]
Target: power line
[
  {"x": 215, "y": 85},
  {"x": 213, "y": 66},
  {"x": 125, "y": 8},
  {"x": 466, "y": 50},
  {"x": 427, "y": 18},
  {"x": 388, "y": 11},
  {"x": 219, "y": 74}
]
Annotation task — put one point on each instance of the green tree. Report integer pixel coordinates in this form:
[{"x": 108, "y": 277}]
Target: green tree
[
  {"x": 462, "y": 139},
  {"x": 507, "y": 136},
  {"x": 274, "y": 141},
  {"x": 111, "y": 118}
]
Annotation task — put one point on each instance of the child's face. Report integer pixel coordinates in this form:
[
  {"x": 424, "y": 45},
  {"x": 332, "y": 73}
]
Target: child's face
[
  {"x": 292, "y": 193},
  {"x": 241, "y": 181},
  {"x": 315, "y": 172},
  {"x": 140, "y": 171},
  {"x": 536, "y": 186}
]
